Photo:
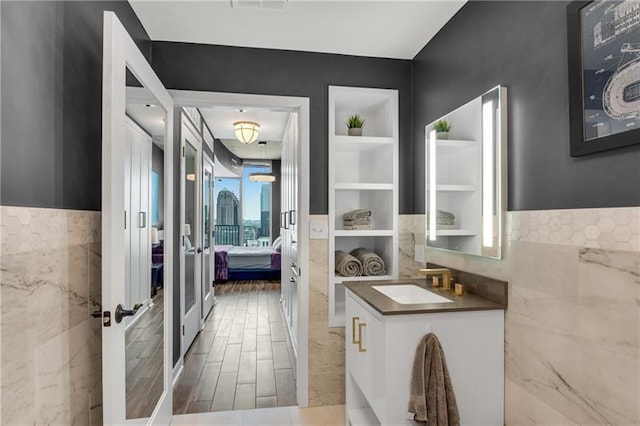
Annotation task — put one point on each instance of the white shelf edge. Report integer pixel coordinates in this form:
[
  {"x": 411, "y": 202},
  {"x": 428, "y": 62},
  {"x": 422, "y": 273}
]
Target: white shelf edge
[
  {"x": 455, "y": 188},
  {"x": 364, "y": 186},
  {"x": 338, "y": 279},
  {"x": 360, "y": 143},
  {"x": 458, "y": 142},
  {"x": 454, "y": 233},
  {"x": 363, "y": 233}
]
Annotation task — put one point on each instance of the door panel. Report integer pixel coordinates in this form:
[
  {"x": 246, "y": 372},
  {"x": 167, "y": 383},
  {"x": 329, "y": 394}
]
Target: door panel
[
  {"x": 130, "y": 85},
  {"x": 191, "y": 248},
  {"x": 207, "y": 237}
]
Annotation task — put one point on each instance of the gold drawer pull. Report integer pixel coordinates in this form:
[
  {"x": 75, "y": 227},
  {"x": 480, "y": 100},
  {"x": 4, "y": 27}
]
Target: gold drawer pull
[
  {"x": 360, "y": 327},
  {"x": 353, "y": 330}
]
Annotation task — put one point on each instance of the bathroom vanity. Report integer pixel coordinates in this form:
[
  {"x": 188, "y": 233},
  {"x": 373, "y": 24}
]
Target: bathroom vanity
[{"x": 382, "y": 334}]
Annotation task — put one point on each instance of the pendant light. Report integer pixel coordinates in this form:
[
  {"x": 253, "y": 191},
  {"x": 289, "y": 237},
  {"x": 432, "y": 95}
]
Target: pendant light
[
  {"x": 263, "y": 176},
  {"x": 246, "y": 131}
]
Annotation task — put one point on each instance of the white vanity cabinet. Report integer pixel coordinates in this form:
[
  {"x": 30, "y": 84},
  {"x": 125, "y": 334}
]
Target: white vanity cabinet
[{"x": 380, "y": 350}]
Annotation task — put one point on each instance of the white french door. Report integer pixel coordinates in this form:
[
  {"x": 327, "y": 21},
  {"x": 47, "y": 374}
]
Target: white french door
[
  {"x": 191, "y": 244},
  {"x": 208, "y": 267},
  {"x": 131, "y": 89}
]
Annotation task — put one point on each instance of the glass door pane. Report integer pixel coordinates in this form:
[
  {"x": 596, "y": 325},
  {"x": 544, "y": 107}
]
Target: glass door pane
[{"x": 190, "y": 226}]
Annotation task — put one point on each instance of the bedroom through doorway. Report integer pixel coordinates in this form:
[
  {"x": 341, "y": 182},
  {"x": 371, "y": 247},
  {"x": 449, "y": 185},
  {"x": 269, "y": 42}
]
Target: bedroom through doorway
[{"x": 247, "y": 353}]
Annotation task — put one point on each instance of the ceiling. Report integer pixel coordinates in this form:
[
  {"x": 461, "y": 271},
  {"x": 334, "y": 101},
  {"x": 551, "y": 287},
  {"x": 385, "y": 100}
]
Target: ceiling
[
  {"x": 389, "y": 29},
  {"x": 272, "y": 124}
]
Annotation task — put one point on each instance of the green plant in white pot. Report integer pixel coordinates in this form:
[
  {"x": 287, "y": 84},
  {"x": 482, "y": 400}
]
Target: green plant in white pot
[
  {"x": 355, "y": 123},
  {"x": 442, "y": 128}
]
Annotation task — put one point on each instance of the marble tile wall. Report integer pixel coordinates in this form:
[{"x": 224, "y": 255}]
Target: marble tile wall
[
  {"x": 326, "y": 345},
  {"x": 572, "y": 329},
  {"x": 50, "y": 271}
]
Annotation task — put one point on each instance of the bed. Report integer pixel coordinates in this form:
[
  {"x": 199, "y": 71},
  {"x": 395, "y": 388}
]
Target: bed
[{"x": 246, "y": 263}]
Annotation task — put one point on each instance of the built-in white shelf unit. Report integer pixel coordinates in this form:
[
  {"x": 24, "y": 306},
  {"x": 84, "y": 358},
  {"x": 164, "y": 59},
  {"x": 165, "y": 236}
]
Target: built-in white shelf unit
[{"x": 363, "y": 173}]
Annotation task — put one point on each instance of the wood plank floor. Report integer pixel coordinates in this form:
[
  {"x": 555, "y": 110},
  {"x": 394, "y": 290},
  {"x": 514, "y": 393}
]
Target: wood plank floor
[
  {"x": 243, "y": 358},
  {"x": 143, "y": 360}
]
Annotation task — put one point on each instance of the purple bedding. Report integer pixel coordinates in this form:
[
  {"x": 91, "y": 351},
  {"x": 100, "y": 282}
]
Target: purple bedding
[{"x": 222, "y": 254}]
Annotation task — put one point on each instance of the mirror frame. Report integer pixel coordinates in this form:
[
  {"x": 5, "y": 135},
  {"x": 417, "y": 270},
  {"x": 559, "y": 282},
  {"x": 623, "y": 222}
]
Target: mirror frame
[
  {"x": 500, "y": 187},
  {"x": 119, "y": 54}
]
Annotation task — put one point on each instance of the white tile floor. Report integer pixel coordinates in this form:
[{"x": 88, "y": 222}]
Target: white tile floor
[{"x": 281, "y": 416}]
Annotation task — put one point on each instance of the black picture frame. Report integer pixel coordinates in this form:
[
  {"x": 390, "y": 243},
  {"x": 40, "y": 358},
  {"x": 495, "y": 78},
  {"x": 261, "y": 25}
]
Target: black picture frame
[{"x": 580, "y": 146}]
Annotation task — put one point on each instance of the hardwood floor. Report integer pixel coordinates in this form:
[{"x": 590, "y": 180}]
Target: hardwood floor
[
  {"x": 243, "y": 358},
  {"x": 143, "y": 359}
]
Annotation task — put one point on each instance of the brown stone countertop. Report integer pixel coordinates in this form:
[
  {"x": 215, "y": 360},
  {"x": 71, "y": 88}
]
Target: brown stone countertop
[{"x": 387, "y": 306}]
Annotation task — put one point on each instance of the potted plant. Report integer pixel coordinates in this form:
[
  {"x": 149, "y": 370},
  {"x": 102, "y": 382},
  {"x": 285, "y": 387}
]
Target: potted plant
[
  {"x": 442, "y": 128},
  {"x": 355, "y": 123}
]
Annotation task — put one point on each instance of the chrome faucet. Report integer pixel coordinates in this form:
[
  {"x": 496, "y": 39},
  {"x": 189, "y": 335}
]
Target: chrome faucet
[{"x": 444, "y": 272}]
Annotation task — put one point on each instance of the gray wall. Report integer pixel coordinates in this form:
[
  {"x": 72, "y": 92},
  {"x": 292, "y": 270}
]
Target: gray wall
[
  {"x": 51, "y": 67},
  {"x": 522, "y": 45},
  {"x": 292, "y": 73}
]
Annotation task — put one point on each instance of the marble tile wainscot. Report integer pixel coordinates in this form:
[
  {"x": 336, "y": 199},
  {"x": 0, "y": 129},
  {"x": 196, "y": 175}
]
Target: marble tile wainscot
[{"x": 51, "y": 347}]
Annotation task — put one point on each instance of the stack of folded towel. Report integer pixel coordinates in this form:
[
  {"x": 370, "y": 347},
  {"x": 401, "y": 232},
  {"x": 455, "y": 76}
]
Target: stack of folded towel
[
  {"x": 444, "y": 220},
  {"x": 359, "y": 262},
  {"x": 359, "y": 219}
]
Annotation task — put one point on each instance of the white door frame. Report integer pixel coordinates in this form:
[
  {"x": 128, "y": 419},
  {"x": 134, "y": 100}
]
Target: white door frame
[
  {"x": 121, "y": 53},
  {"x": 301, "y": 106},
  {"x": 208, "y": 298},
  {"x": 192, "y": 325}
]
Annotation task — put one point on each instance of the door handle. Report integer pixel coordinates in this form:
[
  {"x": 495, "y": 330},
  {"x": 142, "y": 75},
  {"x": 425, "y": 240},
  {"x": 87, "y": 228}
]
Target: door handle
[
  {"x": 353, "y": 330},
  {"x": 142, "y": 219},
  {"x": 122, "y": 312},
  {"x": 361, "y": 326},
  {"x": 199, "y": 250}
]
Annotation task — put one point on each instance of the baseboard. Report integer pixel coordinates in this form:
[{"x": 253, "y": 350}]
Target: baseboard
[{"x": 177, "y": 371}]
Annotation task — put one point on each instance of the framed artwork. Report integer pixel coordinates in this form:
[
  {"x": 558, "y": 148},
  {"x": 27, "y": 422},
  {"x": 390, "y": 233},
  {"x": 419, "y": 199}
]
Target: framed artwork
[{"x": 604, "y": 74}]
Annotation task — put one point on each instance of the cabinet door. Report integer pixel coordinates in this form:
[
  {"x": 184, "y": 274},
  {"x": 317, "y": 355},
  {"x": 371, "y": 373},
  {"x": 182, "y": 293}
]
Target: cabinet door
[
  {"x": 365, "y": 357},
  {"x": 354, "y": 365}
]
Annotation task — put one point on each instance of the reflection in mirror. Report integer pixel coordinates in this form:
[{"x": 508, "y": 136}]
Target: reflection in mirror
[
  {"x": 145, "y": 127},
  {"x": 465, "y": 173}
]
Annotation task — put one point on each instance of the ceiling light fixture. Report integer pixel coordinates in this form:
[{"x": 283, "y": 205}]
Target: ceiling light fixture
[
  {"x": 246, "y": 131},
  {"x": 263, "y": 176}
]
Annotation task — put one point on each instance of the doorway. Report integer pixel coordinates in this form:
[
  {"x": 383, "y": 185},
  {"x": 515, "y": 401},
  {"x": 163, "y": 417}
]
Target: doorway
[{"x": 289, "y": 310}]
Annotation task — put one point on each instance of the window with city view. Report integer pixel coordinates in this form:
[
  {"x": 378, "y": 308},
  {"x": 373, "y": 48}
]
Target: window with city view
[
  {"x": 256, "y": 209},
  {"x": 243, "y": 210}
]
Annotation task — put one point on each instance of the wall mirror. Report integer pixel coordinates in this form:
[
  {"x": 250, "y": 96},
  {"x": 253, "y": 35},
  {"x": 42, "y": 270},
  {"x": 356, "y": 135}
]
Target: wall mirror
[{"x": 466, "y": 175}]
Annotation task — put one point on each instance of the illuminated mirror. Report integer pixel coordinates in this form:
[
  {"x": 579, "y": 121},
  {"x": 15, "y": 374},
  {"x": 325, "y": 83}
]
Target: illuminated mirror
[{"x": 465, "y": 172}]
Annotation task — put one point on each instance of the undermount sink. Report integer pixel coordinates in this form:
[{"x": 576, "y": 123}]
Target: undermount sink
[{"x": 408, "y": 294}]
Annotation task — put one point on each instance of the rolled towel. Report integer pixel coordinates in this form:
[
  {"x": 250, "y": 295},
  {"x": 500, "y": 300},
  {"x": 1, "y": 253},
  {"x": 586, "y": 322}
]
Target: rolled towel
[
  {"x": 347, "y": 265},
  {"x": 372, "y": 264},
  {"x": 357, "y": 214}
]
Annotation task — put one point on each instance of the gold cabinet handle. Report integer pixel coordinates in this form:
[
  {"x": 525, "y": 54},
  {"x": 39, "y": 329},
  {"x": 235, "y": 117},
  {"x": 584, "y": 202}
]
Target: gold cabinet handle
[
  {"x": 360, "y": 327},
  {"x": 353, "y": 330}
]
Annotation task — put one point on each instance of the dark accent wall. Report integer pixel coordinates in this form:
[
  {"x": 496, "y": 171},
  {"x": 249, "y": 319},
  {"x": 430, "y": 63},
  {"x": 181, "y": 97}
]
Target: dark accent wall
[
  {"x": 51, "y": 67},
  {"x": 522, "y": 45},
  {"x": 292, "y": 73}
]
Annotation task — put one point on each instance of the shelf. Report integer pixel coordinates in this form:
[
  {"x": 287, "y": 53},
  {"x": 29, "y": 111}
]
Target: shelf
[
  {"x": 363, "y": 233},
  {"x": 451, "y": 145},
  {"x": 339, "y": 279},
  {"x": 360, "y": 143},
  {"x": 455, "y": 188},
  {"x": 364, "y": 186},
  {"x": 362, "y": 416},
  {"x": 454, "y": 233}
]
